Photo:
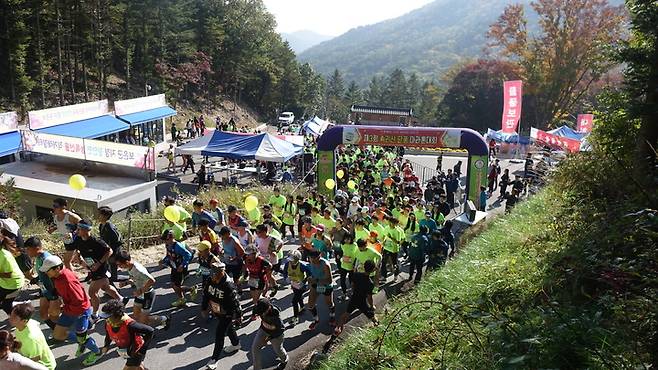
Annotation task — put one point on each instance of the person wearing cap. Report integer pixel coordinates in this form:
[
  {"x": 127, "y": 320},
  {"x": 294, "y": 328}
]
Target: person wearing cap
[
  {"x": 224, "y": 303},
  {"x": 428, "y": 222},
  {"x": 12, "y": 278},
  {"x": 110, "y": 235},
  {"x": 418, "y": 248},
  {"x": 353, "y": 208},
  {"x": 277, "y": 202},
  {"x": 10, "y": 359},
  {"x": 392, "y": 242},
  {"x": 306, "y": 234},
  {"x": 206, "y": 260},
  {"x": 217, "y": 213},
  {"x": 362, "y": 286},
  {"x": 144, "y": 294},
  {"x": 271, "y": 330},
  {"x": 76, "y": 309},
  {"x": 321, "y": 242},
  {"x": 33, "y": 343},
  {"x": 303, "y": 210},
  {"x": 201, "y": 214},
  {"x": 374, "y": 241},
  {"x": 49, "y": 301},
  {"x": 268, "y": 246},
  {"x": 132, "y": 338},
  {"x": 258, "y": 273},
  {"x": 321, "y": 284},
  {"x": 96, "y": 254},
  {"x": 234, "y": 218},
  {"x": 63, "y": 221},
  {"x": 244, "y": 235},
  {"x": 207, "y": 234},
  {"x": 9, "y": 228},
  {"x": 296, "y": 272},
  {"x": 178, "y": 258},
  {"x": 233, "y": 254}
]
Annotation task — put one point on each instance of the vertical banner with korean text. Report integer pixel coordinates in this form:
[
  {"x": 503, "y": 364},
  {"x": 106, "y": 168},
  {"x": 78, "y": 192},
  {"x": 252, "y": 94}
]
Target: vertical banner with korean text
[
  {"x": 512, "y": 93},
  {"x": 585, "y": 122}
]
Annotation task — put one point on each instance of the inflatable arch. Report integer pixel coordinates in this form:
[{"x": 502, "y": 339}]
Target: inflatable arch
[{"x": 414, "y": 137}]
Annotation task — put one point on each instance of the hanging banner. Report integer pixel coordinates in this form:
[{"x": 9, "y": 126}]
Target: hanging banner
[
  {"x": 585, "y": 122},
  {"x": 8, "y": 122},
  {"x": 554, "y": 141},
  {"x": 67, "y": 114},
  {"x": 123, "y": 107},
  {"x": 61, "y": 146},
  {"x": 512, "y": 93},
  {"x": 120, "y": 154},
  {"x": 417, "y": 138}
]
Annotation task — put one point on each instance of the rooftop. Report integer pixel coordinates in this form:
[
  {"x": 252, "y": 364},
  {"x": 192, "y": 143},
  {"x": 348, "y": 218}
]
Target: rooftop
[{"x": 407, "y": 112}]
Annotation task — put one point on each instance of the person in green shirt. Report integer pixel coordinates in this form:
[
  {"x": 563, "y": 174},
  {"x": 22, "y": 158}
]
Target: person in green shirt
[
  {"x": 33, "y": 343},
  {"x": 277, "y": 201},
  {"x": 11, "y": 276},
  {"x": 328, "y": 221},
  {"x": 316, "y": 218},
  {"x": 394, "y": 238},
  {"x": 365, "y": 253},
  {"x": 179, "y": 230},
  {"x": 360, "y": 231},
  {"x": 347, "y": 253},
  {"x": 288, "y": 218},
  {"x": 378, "y": 226}
]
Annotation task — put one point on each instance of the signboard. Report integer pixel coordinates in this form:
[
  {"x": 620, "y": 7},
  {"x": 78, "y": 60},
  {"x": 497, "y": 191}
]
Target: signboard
[
  {"x": 326, "y": 170},
  {"x": 91, "y": 150},
  {"x": 512, "y": 92},
  {"x": 123, "y": 107},
  {"x": 419, "y": 138},
  {"x": 585, "y": 122},
  {"x": 8, "y": 122},
  {"x": 61, "y": 146},
  {"x": 563, "y": 143},
  {"x": 70, "y": 113}
]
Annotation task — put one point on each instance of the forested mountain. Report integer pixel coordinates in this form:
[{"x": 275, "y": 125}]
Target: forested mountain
[
  {"x": 302, "y": 40},
  {"x": 55, "y": 52}
]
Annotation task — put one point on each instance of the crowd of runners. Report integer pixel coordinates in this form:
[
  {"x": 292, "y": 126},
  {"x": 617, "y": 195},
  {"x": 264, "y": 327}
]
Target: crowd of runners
[{"x": 349, "y": 245}]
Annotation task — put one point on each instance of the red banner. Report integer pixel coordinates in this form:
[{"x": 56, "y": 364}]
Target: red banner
[
  {"x": 554, "y": 141},
  {"x": 585, "y": 122},
  {"x": 512, "y": 105},
  {"x": 410, "y": 137}
]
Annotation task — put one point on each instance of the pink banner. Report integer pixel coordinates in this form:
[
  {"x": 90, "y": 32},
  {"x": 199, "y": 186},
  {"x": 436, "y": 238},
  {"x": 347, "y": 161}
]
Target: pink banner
[
  {"x": 512, "y": 105},
  {"x": 585, "y": 122},
  {"x": 554, "y": 141}
]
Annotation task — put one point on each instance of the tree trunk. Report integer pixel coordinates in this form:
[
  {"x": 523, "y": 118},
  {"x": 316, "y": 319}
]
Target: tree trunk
[
  {"x": 60, "y": 70},
  {"x": 10, "y": 64},
  {"x": 42, "y": 86}
]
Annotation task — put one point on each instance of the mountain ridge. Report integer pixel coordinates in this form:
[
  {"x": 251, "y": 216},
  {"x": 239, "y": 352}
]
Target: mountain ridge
[{"x": 302, "y": 40}]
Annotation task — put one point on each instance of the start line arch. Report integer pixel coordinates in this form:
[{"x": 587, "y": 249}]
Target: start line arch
[{"x": 409, "y": 137}]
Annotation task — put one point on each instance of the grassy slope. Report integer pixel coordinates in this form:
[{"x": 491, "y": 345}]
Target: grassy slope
[{"x": 540, "y": 288}]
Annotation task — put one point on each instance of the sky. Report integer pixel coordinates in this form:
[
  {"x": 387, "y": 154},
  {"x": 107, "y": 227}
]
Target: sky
[{"x": 335, "y": 17}]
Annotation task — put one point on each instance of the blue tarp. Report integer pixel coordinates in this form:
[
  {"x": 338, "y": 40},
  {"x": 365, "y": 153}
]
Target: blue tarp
[
  {"x": 88, "y": 128},
  {"x": 315, "y": 126},
  {"x": 568, "y": 132},
  {"x": 148, "y": 115},
  {"x": 10, "y": 142},
  {"x": 502, "y": 137},
  {"x": 263, "y": 147}
]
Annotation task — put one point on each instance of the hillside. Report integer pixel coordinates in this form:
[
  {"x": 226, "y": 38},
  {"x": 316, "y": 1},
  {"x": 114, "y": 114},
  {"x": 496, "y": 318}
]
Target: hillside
[{"x": 300, "y": 41}]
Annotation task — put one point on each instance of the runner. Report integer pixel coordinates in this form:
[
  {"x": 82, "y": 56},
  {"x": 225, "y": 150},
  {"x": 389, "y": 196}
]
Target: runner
[
  {"x": 346, "y": 262},
  {"x": 362, "y": 286},
  {"x": 258, "y": 271},
  {"x": 321, "y": 284},
  {"x": 12, "y": 360},
  {"x": 111, "y": 236},
  {"x": 131, "y": 337},
  {"x": 201, "y": 214},
  {"x": 144, "y": 294},
  {"x": 244, "y": 235},
  {"x": 365, "y": 253},
  {"x": 417, "y": 251},
  {"x": 217, "y": 213},
  {"x": 11, "y": 276},
  {"x": 49, "y": 301},
  {"x": 394, "y": 237},
  {"x": 225, "y": 306},
  {"x": 268, "y": 246},
  {"x": 178, "y": 258},
  {"x": 63, "y": 222},
  {"x": 296, "y": 271},
  {"x": 288, "y": 218},
  {"x": 277, "y": 202},
  {"x": 233, "y": 255},
  {"x": 76, "y": 309},
  {"x": 321, "y": 242},
  {"x": 28, "y": 333},
  {"x": 206, "y": 261},
  {"x": 306, "y": 234},
  {"x": 95, "y": 253},
  {"x": 271, "y": 330},
  {"x": 209, "y": 235}
]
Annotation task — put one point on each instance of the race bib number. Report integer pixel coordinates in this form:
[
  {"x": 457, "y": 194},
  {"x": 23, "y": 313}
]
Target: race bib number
[
  {"x": 216, "y": 307},
  {"x": 123, "y": 352},
  {"x": 253, "y": 282},
  {"x": 346, "y": 259},
  {"x": 89, "y": 261},
  {"x": 320, "y": 289}
]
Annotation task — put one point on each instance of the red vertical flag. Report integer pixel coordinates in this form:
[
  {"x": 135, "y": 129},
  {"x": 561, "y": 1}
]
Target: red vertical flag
[
  {"x": 511, "y": 105},
  {"x": 585, "y": 122}
]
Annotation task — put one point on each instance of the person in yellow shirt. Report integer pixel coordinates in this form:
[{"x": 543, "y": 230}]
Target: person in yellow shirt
[
  {"x": 28, "y": 333},
  {"x": 11, "y": 276},
  {"x": 394, "y": 238}
]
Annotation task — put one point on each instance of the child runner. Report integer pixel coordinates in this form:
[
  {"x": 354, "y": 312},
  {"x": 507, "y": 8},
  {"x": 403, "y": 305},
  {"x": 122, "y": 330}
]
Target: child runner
[
  {"x": 271, "y": 330},
  {"x": 49, "y": 301},
  {"x": 178, "y": 258},
  {"x": 131, "y": 337},
  {"x": 28, "y": 333}
]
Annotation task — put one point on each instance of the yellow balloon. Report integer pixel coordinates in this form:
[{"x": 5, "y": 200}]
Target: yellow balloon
[
  {"x": 77, "y": 182},
  {"x": 330, "y": 183},
  {"x": 351, "y": 184},
  {"x": 340, "y": 174},
  {"x": 172, "y": 214},
  {"x": 250, "y": 202}
]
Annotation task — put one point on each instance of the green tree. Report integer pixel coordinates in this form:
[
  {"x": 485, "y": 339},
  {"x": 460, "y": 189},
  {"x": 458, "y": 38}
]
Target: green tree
[
  {"x": 397, "y": 93},
  {"x": 354, "y": 95},
  {"x": 376, "y": 91},
  {"x": 430, "y": 96}
]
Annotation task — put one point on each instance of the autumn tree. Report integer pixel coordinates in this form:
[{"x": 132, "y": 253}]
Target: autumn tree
[{"x": 567, "y": 54}]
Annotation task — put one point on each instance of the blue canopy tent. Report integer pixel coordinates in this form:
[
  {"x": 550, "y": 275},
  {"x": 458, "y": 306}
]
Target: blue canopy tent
[
  {"x": 510, "y": 138},
  {"x": 262, "y": 147},
  {"x": 10, "y": 143},
  {"x": 315, "y": 126},
  {"x": 568, "y": 132},
  {"x": 148, "y": 115},
  {"x": 89, "y": 128}
]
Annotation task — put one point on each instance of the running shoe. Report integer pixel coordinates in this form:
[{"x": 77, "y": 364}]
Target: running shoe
[
  {"x": 313, "y": 325},
  {"x": 232, "y": 348},
  {"x": 212, "y": 364},
  {"x": 81, "y": 350},
  {"x": 294, "y": 321},
  {"x": 167, "y": 322},
  {"x": 91, "y": 359}
]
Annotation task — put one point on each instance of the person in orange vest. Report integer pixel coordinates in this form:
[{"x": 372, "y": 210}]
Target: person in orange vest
[
  {"x": 306, "y": 234},
  {"x": 131, "y": 338}
]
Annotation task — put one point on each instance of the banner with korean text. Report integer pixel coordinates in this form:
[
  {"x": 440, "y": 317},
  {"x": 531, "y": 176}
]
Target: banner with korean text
[
  {"x": 91, "y": 150},
  {"x": 67, "y": 114},
  {"x": 512, "y": 93},
  {"x": 585, "y": 122},
  {"x": 8, "y": 122},
  {"x": 124, "y": 107},
  {"x": 416, "y": 138},
  {"x": 554, "y": 141}
]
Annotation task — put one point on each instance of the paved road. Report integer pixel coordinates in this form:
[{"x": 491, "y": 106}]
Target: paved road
[{"x": 189, "y": 342}]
